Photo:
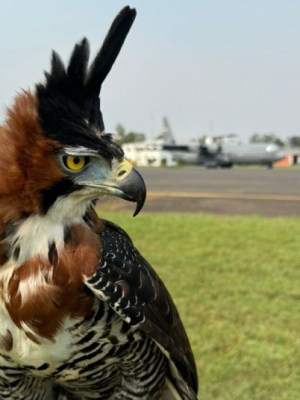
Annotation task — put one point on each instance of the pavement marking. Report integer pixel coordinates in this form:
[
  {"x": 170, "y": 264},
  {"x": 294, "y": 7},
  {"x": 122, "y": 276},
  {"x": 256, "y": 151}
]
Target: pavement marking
[{"x": 225, "y": 196}]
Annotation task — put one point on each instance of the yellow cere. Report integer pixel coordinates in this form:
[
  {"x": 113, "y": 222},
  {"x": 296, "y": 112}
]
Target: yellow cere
[
  {"x": 75, "y": 163},
  {"x": 122, "y": 169}
]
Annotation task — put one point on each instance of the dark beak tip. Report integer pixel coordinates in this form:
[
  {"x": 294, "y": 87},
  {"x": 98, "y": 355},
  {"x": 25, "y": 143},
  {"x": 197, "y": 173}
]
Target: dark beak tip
[
  {"x": 141, "y": 193},
  {"x": 137, "y": 209},
  {"x": 140, "y": 201},
  {"x": 133, "y": 189}
]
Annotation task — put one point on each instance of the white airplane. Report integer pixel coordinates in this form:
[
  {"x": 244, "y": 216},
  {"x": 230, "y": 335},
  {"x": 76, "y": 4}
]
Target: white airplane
[
  {"x": 212, "y": 152},
  {"x": 224, "y": 152}
]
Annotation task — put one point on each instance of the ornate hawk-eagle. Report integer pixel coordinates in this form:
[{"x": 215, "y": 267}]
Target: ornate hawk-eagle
[{"x": 82, "y": 314}]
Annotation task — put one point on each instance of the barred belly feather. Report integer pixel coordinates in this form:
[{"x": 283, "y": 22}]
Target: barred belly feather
[{"x": 108, "y": 358}]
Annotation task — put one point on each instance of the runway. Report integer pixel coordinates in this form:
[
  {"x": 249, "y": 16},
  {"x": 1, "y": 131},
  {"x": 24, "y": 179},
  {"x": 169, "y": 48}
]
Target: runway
[{"x": 240, "y": 191}]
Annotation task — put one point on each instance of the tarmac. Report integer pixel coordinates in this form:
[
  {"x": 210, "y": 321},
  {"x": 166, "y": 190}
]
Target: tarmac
[{"x": 236, "y": 191}]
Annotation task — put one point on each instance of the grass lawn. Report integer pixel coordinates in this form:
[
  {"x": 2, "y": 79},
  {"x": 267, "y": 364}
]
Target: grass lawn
[{"x": 236, "y": 283}]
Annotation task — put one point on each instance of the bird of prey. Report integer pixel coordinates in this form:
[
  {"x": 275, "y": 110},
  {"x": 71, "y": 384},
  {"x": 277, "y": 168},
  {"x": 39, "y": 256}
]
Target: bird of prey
[{"x": 82, "y": 314}]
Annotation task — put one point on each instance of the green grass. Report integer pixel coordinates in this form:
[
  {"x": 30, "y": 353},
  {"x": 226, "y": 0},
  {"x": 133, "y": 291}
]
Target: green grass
[{"x": 235, "y": 281}]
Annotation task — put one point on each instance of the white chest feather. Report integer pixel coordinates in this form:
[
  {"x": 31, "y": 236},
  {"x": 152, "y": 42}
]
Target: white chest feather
[
  {"x": 24, "y": 351},
  {"x": 34, "y": 236},
  {"x": 37, "y": 232},
  {"x": 28, "y": 281},
  {"x": 32, "y": 239}
]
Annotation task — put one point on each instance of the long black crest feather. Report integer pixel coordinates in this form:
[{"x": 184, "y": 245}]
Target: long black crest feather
[
  {"x": 110, "y": 49},
  {"x": 74, "y": 90},
  {"x": 78, "y": 63}
]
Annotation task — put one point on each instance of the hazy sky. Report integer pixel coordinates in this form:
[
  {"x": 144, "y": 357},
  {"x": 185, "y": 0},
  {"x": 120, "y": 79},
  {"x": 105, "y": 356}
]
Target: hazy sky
[{"x": 213, "y": 66}]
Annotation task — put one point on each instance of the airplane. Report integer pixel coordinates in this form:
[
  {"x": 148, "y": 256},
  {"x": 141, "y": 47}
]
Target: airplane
[
  {"x": 226, "y": 151},
  {"x": 210, "y": 151},
  {"x": 219, "y": 151}
]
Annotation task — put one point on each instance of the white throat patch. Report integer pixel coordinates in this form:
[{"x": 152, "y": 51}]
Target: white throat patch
[{"x": 36, "y": 233}]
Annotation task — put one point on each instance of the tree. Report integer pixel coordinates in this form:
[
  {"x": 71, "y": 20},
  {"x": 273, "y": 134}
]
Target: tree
[
  {"x": 120, "y": 133},
  {"x": 129, "y": 137},
  {"x": 294, "y": 141},
  {"x": 266, "y": 138}
]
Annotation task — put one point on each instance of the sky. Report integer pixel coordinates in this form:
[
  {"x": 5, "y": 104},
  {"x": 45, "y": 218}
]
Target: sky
[{"x": 211, "y": 67}]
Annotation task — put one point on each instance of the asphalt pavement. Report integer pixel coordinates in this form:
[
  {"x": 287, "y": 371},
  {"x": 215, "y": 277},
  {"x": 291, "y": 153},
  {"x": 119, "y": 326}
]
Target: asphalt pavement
[{"x": 242, "y": 191}]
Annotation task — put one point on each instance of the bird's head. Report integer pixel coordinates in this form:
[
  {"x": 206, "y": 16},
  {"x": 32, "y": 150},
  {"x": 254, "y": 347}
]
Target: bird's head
[{"x": 55, "y": 156}]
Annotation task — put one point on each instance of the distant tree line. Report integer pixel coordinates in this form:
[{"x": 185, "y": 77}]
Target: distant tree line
[
  {"x": 122, "y": 136},
  {"x": 128, "y": 137},
  {"x": 293, "y": 141},
  {"x": 266, "y": 138}
]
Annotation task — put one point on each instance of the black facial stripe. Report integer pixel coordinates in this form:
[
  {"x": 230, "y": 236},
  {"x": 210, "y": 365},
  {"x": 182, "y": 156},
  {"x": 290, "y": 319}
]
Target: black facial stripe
[{"x": 61, "y": 188}]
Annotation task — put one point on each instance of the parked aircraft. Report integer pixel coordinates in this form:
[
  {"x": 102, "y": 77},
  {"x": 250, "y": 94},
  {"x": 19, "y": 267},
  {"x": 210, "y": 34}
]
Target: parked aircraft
[
  {"x": 212, "y": 152},
  {"x": 224, "y": 152},
  {"x": 220, "y": 151}
]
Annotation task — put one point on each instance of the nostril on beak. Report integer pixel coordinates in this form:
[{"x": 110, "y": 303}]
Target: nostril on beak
[{"x": 121, "y": 173}]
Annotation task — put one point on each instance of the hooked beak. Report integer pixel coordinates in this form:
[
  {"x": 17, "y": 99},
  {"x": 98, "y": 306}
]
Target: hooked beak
[{"x": 128, "y": 184}]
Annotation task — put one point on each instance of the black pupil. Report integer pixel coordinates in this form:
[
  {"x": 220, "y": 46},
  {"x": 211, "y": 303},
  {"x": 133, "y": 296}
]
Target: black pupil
[{"x": 76, "y": 160}]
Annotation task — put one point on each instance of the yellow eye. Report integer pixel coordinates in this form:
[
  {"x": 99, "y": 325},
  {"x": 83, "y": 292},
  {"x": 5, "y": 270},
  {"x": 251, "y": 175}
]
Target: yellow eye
[{"x": 75, "y": 163}]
